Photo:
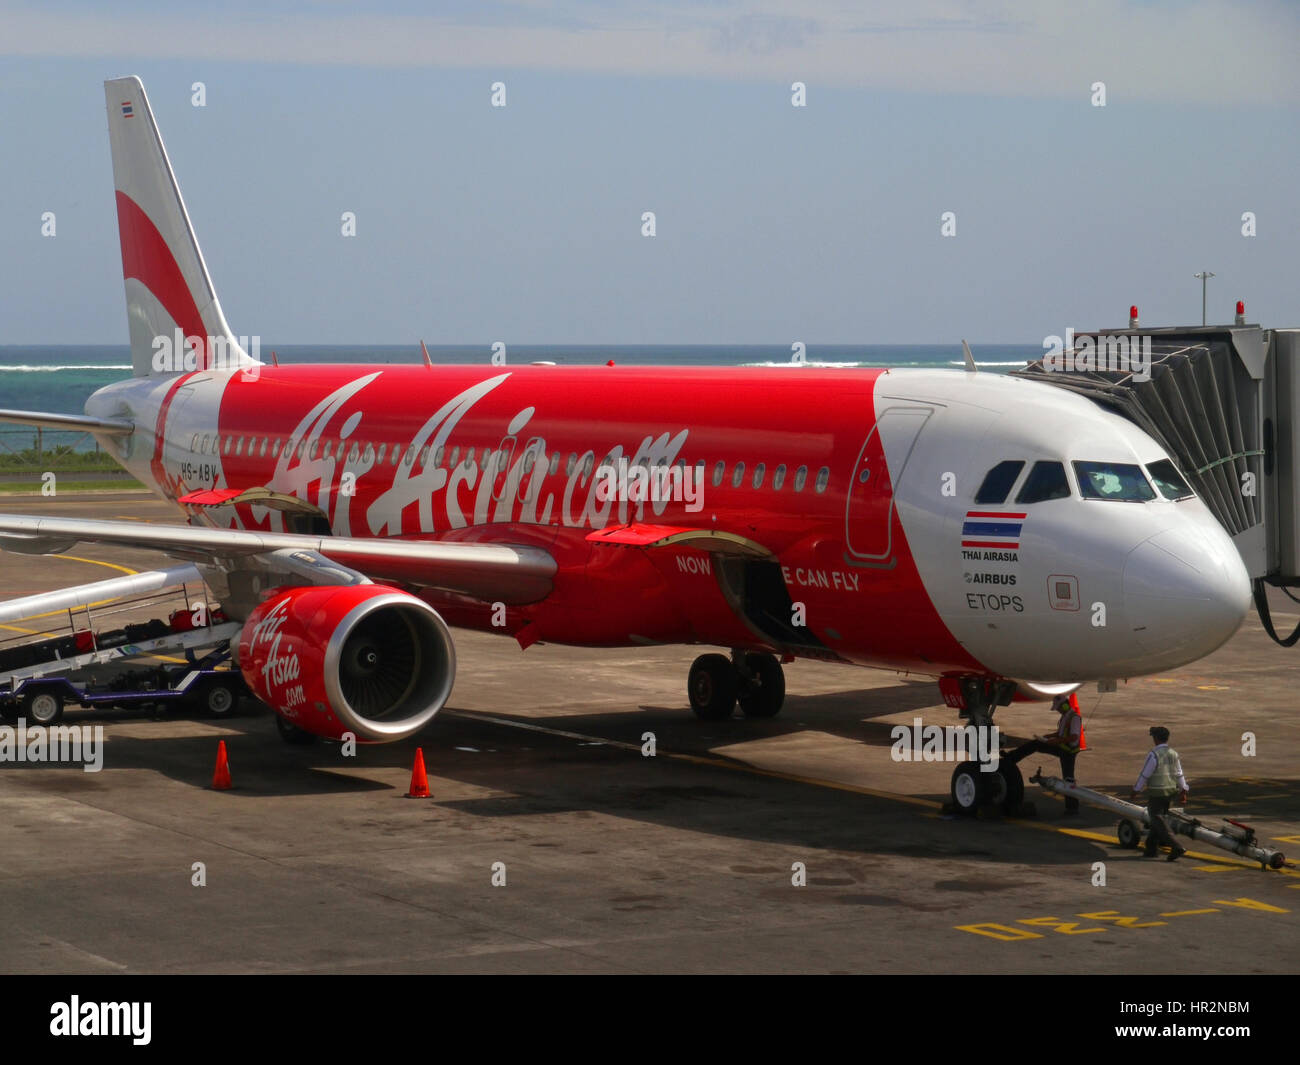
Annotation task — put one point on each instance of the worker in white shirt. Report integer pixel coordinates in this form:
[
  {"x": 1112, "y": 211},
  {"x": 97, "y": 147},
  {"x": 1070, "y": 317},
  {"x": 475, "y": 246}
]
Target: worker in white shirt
[{"x": 1162, "y": 778}]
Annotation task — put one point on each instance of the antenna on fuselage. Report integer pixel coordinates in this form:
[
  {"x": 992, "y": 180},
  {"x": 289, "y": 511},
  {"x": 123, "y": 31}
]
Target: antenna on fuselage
[{"x": 970, "y": 359}]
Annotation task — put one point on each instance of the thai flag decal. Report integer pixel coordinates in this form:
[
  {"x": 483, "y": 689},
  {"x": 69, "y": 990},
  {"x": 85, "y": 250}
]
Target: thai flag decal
[
  {"x": 990, "y": 528},
  {"x": 127, "y": 109}
]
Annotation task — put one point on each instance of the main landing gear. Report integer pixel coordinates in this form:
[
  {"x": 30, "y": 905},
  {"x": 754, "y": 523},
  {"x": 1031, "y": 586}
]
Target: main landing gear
[
  {"x": 972, "y": 788},
  {"x": 717, "y": 683}
]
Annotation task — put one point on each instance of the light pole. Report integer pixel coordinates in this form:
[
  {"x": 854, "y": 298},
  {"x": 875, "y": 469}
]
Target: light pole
[{"x": 1204, "y": 275}]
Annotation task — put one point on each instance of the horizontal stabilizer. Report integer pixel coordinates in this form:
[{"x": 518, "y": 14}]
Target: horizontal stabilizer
[{"x": 75, "y": 422}]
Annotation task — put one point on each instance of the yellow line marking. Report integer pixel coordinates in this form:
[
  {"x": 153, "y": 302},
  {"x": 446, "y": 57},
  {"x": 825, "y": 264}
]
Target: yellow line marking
[
  {"x": 96, "y": 562},
  {"x": 1186, "y": 913},
  {"x": 1215, "y": 868}
]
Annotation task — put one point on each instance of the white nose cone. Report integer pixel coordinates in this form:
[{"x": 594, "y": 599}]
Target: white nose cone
[{"x": 1185, "y": 592}]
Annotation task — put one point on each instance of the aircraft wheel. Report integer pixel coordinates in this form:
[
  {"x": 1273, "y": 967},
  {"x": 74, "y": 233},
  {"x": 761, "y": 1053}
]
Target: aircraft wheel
[
  {"x": 969, "y": 787},
  {"x": 1129, "y": 834},
  {"x": 44, "y": 708},
  {"x": 1011, "y": 785},
  {"x": 763, "y": 696},
  {"x": 712, "y": 687},
  {"x": 292, "y": 734}
]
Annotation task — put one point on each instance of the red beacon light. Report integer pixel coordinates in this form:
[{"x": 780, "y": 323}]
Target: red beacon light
[
  {"x": 1241, "y": 312},
  {"x": 1133, "y": 317}
]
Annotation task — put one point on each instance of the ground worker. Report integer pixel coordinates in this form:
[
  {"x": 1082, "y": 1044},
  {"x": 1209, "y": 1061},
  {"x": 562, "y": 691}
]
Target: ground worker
[
  {"x": 1162, "y": 778},
  {"x": 1066, "y": 743}
]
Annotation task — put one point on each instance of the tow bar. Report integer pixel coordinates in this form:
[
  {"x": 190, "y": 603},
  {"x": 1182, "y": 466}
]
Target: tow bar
[{"x": 1233, "y": 836}]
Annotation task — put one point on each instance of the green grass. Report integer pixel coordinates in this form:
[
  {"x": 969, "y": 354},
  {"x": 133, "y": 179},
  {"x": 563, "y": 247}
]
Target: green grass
[
  {"x": 126, "y": 484},
  {"x": 59, "y": 459}
]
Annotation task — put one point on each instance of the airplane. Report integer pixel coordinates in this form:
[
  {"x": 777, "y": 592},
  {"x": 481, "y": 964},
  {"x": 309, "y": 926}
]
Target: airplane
[{"x": 1009, "y": 538}]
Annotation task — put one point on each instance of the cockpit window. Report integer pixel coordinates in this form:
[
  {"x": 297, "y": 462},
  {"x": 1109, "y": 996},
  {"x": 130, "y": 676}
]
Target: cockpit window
[
  {"x": 1169, "y": 480},
  {"x": 998, "y": 482},
  {"x": 1113, "y": 480},
  {"x": 1045, "y": 481}
]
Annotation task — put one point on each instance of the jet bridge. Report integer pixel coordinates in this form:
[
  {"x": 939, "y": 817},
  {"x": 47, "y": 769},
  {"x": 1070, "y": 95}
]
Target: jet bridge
[{"x": 1224, "y": 402}]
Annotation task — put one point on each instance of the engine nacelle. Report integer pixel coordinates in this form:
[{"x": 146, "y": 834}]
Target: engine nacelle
[{"x": 365, "y": 659}]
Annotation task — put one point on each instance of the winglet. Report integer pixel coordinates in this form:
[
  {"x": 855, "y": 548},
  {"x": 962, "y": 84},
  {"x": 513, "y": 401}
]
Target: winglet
[{"x": 970, "y": 359}]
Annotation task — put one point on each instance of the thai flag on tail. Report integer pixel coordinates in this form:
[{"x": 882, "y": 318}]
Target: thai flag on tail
[
  {"x": 990, "y": 528},
  {"x": 127, "y": 109}
]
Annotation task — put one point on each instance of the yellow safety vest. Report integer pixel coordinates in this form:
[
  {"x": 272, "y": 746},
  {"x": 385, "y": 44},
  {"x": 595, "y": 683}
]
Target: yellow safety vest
[{"x": 1164, "y": 779}]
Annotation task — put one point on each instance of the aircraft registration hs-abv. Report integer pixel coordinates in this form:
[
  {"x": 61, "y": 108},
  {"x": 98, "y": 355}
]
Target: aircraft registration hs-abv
[{"x": 996, "y": 533}]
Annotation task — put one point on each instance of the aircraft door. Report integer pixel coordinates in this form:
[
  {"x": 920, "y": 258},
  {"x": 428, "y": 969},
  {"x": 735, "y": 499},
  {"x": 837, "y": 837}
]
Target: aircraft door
[{"x": 868, "y": 527}]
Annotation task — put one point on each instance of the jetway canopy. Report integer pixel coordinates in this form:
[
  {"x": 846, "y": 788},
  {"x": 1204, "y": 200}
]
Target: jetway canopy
[{"x": 1224, "y": 402}]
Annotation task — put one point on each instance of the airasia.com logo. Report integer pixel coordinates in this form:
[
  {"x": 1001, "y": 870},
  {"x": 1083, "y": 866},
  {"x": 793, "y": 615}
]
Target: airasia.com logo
[{"x": 278, "y": 670}]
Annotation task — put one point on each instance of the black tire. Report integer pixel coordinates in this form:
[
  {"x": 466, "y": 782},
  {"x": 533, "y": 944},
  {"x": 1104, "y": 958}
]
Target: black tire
[
  {"x": 1129, "y": 834},
  {"x": 711, "y": 687},
  {"x": 764, "y": 695},
  {"x": 294, "y": 735},
  {"x": 219, "y": 699},
  {"x": 43, "y": 707},
  {"x": 969, "y": 787},
  {"x": 1010, "y": 786}
]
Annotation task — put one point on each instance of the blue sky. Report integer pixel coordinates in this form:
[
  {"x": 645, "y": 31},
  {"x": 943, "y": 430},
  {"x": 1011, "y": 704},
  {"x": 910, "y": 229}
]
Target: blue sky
[{"x": 774, "y": 223}]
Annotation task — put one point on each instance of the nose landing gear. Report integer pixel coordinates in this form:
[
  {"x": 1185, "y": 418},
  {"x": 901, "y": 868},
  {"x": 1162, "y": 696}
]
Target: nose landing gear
[
  {"x": 972, "y": 788},
  {"x": 717, "y": 683}
]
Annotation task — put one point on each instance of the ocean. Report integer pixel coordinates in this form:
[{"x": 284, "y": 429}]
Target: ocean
[{"x": 59, "y": 378}]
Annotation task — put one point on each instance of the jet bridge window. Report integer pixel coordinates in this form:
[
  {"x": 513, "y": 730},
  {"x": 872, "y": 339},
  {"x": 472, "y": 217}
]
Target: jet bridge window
[
  {"x": 1170, "y": 482},
  {"x": 998, "y": 481},
  {"x": 1113, "y": 480},
  {"x": 1045, "y": 481}
]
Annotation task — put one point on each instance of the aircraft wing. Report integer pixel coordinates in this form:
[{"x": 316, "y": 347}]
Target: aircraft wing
[
  {"x": 46, "y": 420},
  {"x": 512, "y": 574}
]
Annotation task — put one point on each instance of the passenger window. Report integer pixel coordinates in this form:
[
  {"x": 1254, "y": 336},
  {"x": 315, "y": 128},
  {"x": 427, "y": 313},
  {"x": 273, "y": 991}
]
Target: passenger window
[
  {"x": 800, "y": 478},
  {"x": 555, "y": 463},
  {"x": 998, "y": 482},
  {"x": 1169, "y": 480},
  {"x": 823, "y": 478},
  {"x": 778, "y": 478},
  {"x": 738, "y": 475},
  {"x": 1113, "y": 480},
  {"x": 719, "y": 471},
  {"x": 759, "y": 472},
  {"x": 1045, "y": 481}
]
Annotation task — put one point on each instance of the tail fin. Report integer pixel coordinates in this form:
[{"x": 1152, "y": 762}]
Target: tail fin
[{"x": 175, "y": 320}]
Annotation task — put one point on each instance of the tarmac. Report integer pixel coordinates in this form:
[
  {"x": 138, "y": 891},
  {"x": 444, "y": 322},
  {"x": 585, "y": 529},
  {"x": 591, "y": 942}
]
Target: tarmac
[{"x": 555, "y": 843}]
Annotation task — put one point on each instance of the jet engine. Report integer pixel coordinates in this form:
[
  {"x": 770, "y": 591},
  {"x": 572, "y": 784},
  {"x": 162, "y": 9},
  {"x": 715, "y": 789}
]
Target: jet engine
[{"x": 365, "y": 659}]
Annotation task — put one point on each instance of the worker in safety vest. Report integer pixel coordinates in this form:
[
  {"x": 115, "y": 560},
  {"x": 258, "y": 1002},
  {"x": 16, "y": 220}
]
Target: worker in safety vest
[
  {"x": 1066, "y": 743},
  {"x": 1162, "y": 778}
]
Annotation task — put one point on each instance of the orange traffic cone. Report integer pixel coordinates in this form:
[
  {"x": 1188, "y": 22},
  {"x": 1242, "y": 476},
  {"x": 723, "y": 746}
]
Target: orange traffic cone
[
  {"x": 221, "y": 775},
  {"x": 419, "y": 781}
]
